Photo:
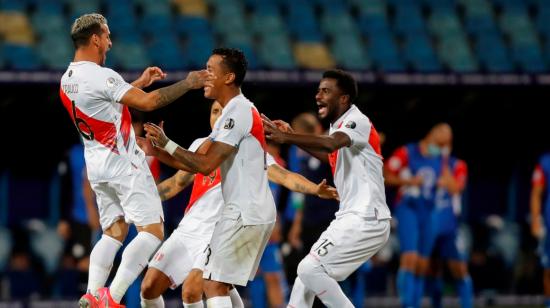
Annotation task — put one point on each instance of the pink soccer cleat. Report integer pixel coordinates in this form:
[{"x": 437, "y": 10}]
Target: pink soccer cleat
[
  {"x": 88, "y": 301},
  {"x": 106, "y": 301}
]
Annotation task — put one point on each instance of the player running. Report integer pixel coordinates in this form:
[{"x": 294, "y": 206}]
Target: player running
[
  {"x": 180, "y": 258},
  {"x": 238, "y": 148},
  {"x": 362, "y": 224},
  {"x": 97, "y": 99}
]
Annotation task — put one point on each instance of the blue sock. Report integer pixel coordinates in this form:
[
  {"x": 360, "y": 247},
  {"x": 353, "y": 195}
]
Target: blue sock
[
  {"x": 466, "y": 292},
  {"x": 547, "y": 302},
  {"x": 418, "y": 290},
  {"x": 405, "y": 287}
]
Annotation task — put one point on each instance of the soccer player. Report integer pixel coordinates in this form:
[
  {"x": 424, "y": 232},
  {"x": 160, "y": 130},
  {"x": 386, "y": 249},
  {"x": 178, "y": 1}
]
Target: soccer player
[
  {"x": 180, "y": 258},
  {"x": 540, "y": 216},
  {"x": 443, "y": 239},
  {"x": 97, "y": 99},
  {"x": 362, "y": 224},
  {"x": 238, "y": 148},
  {"x": 415, "y": 168}
]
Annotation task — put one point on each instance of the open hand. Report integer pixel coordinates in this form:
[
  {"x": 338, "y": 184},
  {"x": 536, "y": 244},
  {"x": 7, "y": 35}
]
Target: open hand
[
  {"x": 271, "y": 131},
  {"x": 326, "y": 191},
  {"x": 198, "y": 79},
  {"x": 150, "y": 75},
  {"x": 155, "y": 134}
]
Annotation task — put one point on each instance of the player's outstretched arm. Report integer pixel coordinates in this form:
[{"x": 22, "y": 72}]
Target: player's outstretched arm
[
  {"x": 140, "y": 100},
  {"x": 149, "y": 75},
  {"x": 174, "y": 184},
  {"x": 205, "y": 164},
  {"x": 298, "y": 183},
  {"x": 326, "y": 144}
]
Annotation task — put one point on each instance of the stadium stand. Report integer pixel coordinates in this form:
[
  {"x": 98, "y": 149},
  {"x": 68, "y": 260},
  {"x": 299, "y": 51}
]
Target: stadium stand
[{"x": 426, "y": 36}]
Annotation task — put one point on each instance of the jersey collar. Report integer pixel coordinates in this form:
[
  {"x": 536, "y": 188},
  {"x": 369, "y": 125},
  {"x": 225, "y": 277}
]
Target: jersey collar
[{"x": 339, "y": 121}]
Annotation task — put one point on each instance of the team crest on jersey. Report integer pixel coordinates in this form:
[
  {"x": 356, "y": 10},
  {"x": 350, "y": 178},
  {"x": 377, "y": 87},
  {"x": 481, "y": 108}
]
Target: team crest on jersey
[
  {"x": 111, "y": 82},
  {"x": 351, "y": 125},
  {"x": 229, "y": 123}
]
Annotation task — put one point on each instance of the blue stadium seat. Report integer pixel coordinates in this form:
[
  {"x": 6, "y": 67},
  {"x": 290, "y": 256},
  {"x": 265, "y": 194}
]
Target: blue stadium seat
[
  {"x": 493, "y": 53},
  {"x": 20, "y": 57},
  {"x": 55, "y": 51},
  {"x": 13, "y": 6},
  {"x": 420, "y": 53},
  {"x": 371, "y": 24},
  {"x": 190, "y": 25},
  {"x": 350, "y": 53},
  {"x": 384, "y": 52},
  {"x": 153, "y": 24},
  {"x": 336, "y": 24},
  {"x": 444, "y": 23},
  {"x": 409, "y": 19},
  {"x": 49, "y": 7},
  {"x": 164, "y": 51},
  {"x": 131, "y": 55},
  {"x": 302, "y": 22},
  {"x": 197, "y": 50},
  {"x": 276, "y": 53},
  {"x": 529, "y": 59},
  {"x": 455, "y": 53},
  {"x": 542, "y": 18},
  {"x": 266, "y": 24}
]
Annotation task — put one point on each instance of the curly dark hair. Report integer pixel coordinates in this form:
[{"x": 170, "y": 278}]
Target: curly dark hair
[
  {"x": 345, "y": 82},
  {"x": 235, "y": 61}
]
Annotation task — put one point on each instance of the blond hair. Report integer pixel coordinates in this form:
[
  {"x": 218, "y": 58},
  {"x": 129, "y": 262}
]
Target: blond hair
[{"x": 85, "y": 26}]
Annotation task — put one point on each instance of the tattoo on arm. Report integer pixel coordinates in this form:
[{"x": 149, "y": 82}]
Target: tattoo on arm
[
  {"x": 163, "y": 193},
  {"x": 171, "y": 93},
  {"x": 300, "y": 188}
]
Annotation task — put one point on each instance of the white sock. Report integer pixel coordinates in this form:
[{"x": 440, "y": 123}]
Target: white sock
[
  {"x": 236, "y": 300},
  {"x": 219, "y": 302},
  {"x": 301, "y": 296},
  {"x": 315, "y": 278},
  {"x": 198, "y": 304},
  {"x": 101, "y": 261},
  {"x": 134, "y": 260},
  {"x": 152, "y": 303}
]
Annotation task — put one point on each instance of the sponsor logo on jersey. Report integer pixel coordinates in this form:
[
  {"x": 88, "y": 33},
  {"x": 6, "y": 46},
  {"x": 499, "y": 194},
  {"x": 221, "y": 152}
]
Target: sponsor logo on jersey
[
  {"x": 112, "y": 81},
  {"x": 229, "y": 123}
]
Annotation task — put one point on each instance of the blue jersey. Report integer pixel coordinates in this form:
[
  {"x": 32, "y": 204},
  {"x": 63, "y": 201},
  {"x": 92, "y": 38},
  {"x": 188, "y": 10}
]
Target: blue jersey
[
  {"x": 78, "y": 174},
  {"x": 540, "y": 178},
  {"x": 448, "y": 206}
]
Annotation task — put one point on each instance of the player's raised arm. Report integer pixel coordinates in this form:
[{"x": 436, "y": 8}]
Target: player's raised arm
[
  {"x": 298, "y": 183},
  {"x": 138, "y": 99}
]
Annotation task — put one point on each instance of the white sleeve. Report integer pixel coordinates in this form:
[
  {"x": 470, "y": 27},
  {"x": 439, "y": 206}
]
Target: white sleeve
[
  {"x": 196, "y": 144},
  {"x": 115, "y": 85},
  {"x": 232, "y": 126},
  {"x": 357, "y": 129},
  {"x": 270, "y": 160}
]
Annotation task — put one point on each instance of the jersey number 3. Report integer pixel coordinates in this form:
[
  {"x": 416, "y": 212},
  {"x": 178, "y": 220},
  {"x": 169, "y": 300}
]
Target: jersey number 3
[{"x": 83, "y": 128}]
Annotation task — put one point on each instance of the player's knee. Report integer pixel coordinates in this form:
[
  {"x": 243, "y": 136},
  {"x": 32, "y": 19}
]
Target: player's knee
[
  {"x": 422, "y": 266},
  {"x": 148, "y": 288},
  {"x": 214, "y": 288},
  {"x": 458, "y": 269},
  {"x": 191, "y": 294},
  {"x": 118, "y": 230},
  {"x": 307, "y": 268},
  {"x": 408, "y": 261}
]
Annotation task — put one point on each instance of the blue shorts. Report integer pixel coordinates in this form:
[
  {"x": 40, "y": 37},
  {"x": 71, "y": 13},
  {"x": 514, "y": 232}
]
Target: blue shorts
[
  {"x": 544, "y": 249},
  {"x": 271, "y": 261},
  {"x": 414, "y": 225},
  {"x": 442, "y": 237}
]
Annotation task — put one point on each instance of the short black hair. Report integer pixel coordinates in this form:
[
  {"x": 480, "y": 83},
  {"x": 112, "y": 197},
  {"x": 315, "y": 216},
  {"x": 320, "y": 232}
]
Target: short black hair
[
  {"x": 235, "y": 61},
  {"x": 85, "y": 26},
  {"x": 345, "y": 82}
]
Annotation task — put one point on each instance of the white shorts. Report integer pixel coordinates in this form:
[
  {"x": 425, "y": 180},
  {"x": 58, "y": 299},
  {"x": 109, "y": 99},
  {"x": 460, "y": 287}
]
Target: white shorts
[
  {"x": 235, "y": 249},
  {"x": 178, "y": 255},
  {"x": 348, "y": 242},
  {"x": 134, "y": 197}
]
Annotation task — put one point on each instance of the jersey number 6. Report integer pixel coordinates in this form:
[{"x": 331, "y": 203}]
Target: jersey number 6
[{"x": 87, "y": 134}]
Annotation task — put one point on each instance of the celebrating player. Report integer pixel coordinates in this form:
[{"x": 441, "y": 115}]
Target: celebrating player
[
  {"x": 238, "y": 148},
  {"x": 361, "y": 226},
  {"x": 97, "y": 99},
  {"x": 180, "y": 258}
]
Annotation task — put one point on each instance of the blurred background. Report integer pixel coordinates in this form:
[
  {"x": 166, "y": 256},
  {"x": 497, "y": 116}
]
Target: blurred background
[{"x": 479, "y": 65}]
